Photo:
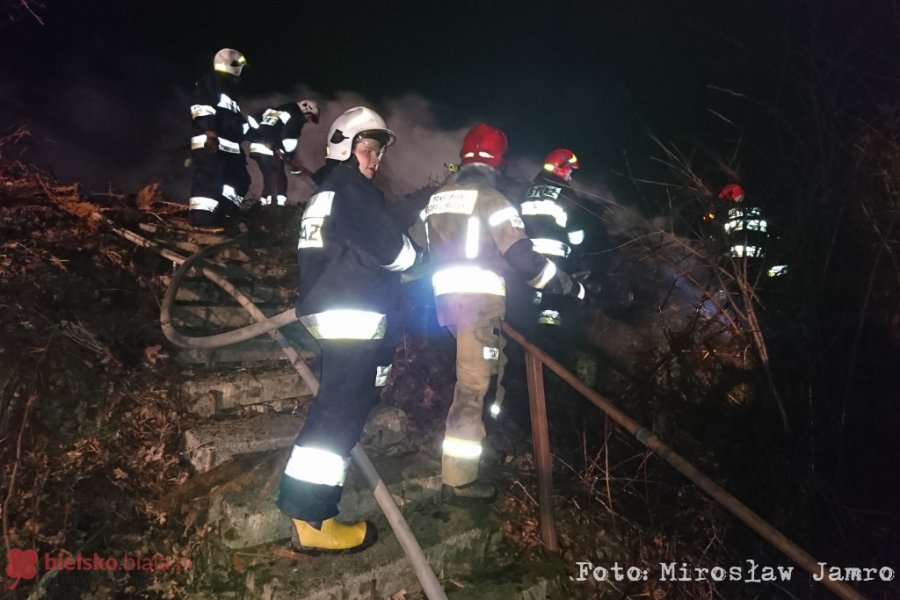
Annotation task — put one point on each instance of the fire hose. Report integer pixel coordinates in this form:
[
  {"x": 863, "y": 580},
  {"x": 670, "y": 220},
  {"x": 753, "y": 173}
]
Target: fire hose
[{"x": 264, "y": 324}]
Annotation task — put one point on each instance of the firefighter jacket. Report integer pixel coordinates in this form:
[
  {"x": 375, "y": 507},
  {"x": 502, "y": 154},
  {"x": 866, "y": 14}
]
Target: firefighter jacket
[
  {"x": 279, "y": 129},
  {"x": 746, "y": 232},
  {"x": 215, "y": 108},
  {"x": 475, "y": 236},
  {"x": 551, "y": 218},
  {"x": 351, "y": 253}
]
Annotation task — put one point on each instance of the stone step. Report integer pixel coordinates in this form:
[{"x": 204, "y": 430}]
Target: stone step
[
  {"x": 250, "y": 518},
  {"x": 211, "y": 444},
  {"x": 201, "y": 290},
  {"x": 259, "y": 350},
  {"x": 205, "y": 316},
  {"x": 221, "y": 392},
  {"x": 455, "y": 541}
]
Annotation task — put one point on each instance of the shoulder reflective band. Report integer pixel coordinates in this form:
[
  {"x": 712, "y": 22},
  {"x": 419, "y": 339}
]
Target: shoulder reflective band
[
  {"x": 202, "y": 203},
  {"x": 506, "y": 214},
  {"x": 744, "y": 212},
  {"x": 468, "y": 279},
  {"x": 313, "y": 222},
  {"x": 490, "y": 353},
  {"x": 252, "y": 122},
  {"x": 314, "y": 465},
  {"x": 576, "y": 237},
  {"x": 545, "y": 276},
  {"x": 257, "y": 148},
  {"x": 381, "y": 375},
  {"x": 748, "y": 224},
  {"x": 290, "y": 144},
  {"x": 544, "y": 191},
  {"x": 740, "y": 251},
  {"x": 345, "y": 324},
  {"x": 473, "y": 235},
  {"x": 270, "y": 117},
  {"x": 549, "y": 247},
  {"x": 454, "y": 201},
  {"x": 549, "y": 317},
  {"x": 405, "y": 258},
  {"x": 229, "y": 104},
  {"x": 546, "y": 208},
  {"x": 777, "y": 271},
  {"x": 202, "y": 110},
  {"x": 460, "y": 448},
  {"x": 319, "y": 205}
]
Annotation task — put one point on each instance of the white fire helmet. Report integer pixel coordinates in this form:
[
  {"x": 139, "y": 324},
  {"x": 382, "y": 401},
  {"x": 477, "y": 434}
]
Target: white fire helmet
[
  {"x": 309, "y": 107},
  {"x": 356, "y": 123},
  {"x": 229, "y": 61}
]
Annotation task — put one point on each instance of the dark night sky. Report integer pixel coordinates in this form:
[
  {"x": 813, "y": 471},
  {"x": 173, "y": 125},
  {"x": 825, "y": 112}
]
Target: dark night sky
[{"x": 102, "y": 85}]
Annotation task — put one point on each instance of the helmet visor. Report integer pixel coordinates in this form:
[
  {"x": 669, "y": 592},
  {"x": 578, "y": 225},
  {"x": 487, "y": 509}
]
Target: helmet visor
[{"x": 384, "y": 137}]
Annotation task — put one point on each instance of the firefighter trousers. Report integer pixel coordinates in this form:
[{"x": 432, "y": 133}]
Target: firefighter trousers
[
  {"x": 273, "y": 176},
  {"x": 479, "y": 354},
  {"x": 218, "y": 185},
  {"x": 311, "y": 485}
]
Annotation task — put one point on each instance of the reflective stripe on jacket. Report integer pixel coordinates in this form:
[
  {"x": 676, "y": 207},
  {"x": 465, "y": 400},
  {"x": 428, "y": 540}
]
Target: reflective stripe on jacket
[
  {"x": 215, "y": 108},
  {"x": 351, "y": 253},
  {"x": 279, "y": 129},
  {"x": 550, "y": 217},
  {"x": 469, "y": 225}
]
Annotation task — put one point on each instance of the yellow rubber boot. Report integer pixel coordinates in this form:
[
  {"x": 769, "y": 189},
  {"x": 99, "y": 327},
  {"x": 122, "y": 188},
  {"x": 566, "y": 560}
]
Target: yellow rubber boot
[{"x": 332, "y": 536}]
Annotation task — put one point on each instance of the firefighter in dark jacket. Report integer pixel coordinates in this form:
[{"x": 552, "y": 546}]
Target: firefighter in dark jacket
[
  {"x": 220, "y": 177},
  {"x": 475, "y": 237},
  {"x": 745, "y": 234},
  {"x": 552, "y": 221},
  {"x": 275, "y": 141},
  {"x": 351, "y": 253}
]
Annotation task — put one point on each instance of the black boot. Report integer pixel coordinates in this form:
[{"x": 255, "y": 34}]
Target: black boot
[{"x": 477, "y": 491}]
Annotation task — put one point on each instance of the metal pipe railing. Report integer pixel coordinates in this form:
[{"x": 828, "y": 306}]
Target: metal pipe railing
[
  {"x": 535, "y": 357},
  {"x": 541, "y": 436}
]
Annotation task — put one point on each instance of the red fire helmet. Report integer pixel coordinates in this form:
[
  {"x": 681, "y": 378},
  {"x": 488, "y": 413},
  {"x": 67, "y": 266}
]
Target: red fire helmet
[
  {"x": 561, "y": 163},
  {"x": 732, "y": 193},
  {"x": 484, "y": 144}
]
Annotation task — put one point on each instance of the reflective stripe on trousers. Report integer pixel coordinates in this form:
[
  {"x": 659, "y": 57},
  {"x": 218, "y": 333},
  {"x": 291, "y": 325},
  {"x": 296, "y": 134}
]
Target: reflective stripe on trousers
[
  {"x": 312, "y": 483},
  {"x": 465, "y": 429}
]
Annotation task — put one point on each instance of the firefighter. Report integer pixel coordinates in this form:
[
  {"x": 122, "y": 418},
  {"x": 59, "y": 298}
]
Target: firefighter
[
  {"x": 275, "y": 141},
  {"x": 220, "y": 177},
  {"x": 474, "y": 235},
  {"x": 551, "y": 216},
  {"x": 746, "y": 234},
  {"x": 351, "y": 254}
]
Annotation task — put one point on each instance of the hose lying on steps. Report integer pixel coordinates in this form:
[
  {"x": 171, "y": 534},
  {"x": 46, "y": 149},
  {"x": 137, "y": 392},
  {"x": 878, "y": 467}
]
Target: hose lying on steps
[
  {"x": 263, "y": 325},
  {"x": 383, "y": 497}
]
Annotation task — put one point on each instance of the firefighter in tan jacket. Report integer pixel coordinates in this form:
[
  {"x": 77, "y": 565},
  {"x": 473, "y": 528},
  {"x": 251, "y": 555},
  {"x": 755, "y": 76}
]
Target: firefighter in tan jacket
[{"x": 474, "y": 236}]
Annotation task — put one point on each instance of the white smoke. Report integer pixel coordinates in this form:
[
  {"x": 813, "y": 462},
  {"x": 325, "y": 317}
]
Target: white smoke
[{"x": 418, "y": 157}]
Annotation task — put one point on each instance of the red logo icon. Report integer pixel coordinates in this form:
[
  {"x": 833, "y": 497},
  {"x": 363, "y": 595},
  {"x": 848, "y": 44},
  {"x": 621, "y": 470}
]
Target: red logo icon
[{"x": 21, "y": 564}]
